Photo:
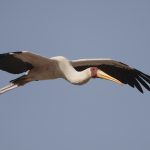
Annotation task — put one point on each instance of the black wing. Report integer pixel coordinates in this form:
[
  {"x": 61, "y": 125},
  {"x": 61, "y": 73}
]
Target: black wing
[
  {"x": 19, "y": 62},
  {"x": 12, "y": 64},
  {"x": 118, "y": 70}
]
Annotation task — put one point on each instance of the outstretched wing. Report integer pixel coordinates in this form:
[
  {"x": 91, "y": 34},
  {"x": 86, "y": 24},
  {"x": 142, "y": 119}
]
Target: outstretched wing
[
  {"x": 118, "y": 70},
  {"x": 19, "y": 62}
]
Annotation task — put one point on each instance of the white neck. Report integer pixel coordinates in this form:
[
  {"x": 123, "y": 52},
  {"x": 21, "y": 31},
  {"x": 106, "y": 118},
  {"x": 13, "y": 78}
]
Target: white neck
[
  {"x": 70, "y": 74},
  {"x": 76, "y": 77}
]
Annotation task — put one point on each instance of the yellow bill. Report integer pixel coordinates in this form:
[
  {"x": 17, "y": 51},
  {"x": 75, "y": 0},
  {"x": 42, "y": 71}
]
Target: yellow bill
[{"x": 105, "y": 76}]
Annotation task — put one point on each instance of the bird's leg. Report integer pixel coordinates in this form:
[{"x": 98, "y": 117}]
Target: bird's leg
[{"x": 15, "y": 83}]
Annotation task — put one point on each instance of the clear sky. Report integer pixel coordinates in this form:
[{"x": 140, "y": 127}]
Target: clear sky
[{"x": 54, "y": 115}]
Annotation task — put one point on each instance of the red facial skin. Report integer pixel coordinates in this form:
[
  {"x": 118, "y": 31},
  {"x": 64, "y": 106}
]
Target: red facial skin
[{"x": 94, "y": 72}]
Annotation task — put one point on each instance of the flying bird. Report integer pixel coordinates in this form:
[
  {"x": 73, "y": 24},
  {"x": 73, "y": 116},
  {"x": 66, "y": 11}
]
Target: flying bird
[{"x": 77, "y": 72}]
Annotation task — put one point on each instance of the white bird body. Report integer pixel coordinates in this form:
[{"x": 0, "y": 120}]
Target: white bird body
[
  {"x": 60, "y": 68},
  {"x": 76, "y": 72},
  {"x": 66, "y": 71}
]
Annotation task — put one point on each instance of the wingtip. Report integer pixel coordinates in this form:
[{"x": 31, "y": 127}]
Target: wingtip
[{"x": 141, "y": 80}]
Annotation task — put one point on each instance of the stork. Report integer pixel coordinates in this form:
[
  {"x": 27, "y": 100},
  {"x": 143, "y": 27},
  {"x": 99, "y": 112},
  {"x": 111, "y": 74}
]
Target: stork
[{"x": 76, "y": 72}]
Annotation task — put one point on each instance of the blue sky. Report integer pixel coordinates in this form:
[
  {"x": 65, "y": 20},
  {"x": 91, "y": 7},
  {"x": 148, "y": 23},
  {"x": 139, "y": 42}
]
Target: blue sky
[{"x": 56, "y": 115}]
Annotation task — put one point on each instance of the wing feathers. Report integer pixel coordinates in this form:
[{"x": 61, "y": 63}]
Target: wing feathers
[
  {"x": 143, "y": 83},
  {"x": 11, "y": 64},
  {"x": 118, "y": 70},
  {"x": 19, "y": 62},
  {"x": 138, "y": 86},
  {"x": 145, "y": 77}
]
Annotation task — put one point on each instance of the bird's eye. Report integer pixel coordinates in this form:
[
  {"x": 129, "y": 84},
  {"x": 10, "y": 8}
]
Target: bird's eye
[{"x": 93, "y": 68}]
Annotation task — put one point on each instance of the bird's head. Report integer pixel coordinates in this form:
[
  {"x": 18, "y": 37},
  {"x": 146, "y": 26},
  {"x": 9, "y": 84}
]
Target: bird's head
[{"x": 97, "y": 73}]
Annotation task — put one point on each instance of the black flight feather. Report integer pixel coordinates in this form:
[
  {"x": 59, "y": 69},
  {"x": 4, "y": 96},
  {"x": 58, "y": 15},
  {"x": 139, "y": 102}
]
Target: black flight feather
[{"x": 12, "y": 64}]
